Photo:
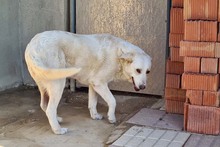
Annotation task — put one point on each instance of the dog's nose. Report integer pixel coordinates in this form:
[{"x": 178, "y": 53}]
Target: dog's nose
[{"x": 142, "y": 87}]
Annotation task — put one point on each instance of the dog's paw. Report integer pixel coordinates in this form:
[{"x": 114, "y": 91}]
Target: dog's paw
[
  {"x": 59, "y": 119},
  {"x": 61, "y": 131},
  {"x": 112, "y": 119},
  {"x": 97, "y": 116}
]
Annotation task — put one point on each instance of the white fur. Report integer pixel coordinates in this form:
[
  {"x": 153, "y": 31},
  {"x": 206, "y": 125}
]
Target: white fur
[{"x": 94, "y": 60}]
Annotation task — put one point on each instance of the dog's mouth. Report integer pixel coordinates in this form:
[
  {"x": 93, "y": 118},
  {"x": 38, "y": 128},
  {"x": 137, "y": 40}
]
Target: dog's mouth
[{"x": 135, "y": 87}]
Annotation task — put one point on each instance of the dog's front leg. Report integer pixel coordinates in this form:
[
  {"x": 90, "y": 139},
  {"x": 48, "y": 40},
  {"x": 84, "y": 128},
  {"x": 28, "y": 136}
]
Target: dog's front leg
[
  {"x": 105, "y": 93},
  {"x": 93, "y": 99}
]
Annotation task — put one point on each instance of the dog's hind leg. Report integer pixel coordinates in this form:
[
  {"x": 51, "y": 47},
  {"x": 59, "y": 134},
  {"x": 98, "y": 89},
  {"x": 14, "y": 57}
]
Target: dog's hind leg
[
  {"x": 93, "y": 103},
  {"x": 105, "y": 93},
  {"x": 44, "y": 97},
  {"x": 44, "y": 100},
  {"x": 55, "y": 90}
]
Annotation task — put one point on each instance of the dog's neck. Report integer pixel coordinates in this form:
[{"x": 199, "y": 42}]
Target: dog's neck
[{"x": 120, "y": 74}]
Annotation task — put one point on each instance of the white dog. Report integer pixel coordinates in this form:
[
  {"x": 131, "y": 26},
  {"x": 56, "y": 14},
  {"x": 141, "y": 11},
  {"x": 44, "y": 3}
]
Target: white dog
[{"x": 94, "y": 60}]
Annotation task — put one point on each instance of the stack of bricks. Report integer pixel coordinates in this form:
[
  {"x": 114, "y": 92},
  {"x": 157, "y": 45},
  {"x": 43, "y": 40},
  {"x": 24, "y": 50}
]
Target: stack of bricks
[
  {"x": 174, "y": 95},
  {"x": 201, "y": 52}
]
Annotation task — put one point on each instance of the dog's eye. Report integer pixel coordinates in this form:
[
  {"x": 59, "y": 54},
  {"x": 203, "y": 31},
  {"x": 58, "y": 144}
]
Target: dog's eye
[
  {"x": 147, "y": 72},
  {"x": 138, "y": 71}
]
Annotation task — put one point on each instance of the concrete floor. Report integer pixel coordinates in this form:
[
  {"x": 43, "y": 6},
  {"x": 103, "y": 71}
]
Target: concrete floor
[{"x": 23, "y": 123}]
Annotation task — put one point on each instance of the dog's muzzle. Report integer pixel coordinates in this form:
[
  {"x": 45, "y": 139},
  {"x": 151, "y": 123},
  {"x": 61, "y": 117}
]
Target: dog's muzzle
[{"x": 141, "y": 87}]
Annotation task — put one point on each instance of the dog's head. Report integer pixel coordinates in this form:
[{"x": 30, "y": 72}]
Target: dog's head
[{"x": 136, "y": 68}]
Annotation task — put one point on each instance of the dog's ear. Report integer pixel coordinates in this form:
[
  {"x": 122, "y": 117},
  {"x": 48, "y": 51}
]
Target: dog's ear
[{"x": 128, "y": 57}]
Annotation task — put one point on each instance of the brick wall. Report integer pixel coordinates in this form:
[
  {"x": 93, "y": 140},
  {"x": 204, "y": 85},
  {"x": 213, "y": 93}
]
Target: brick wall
[
  {"x": 174, "y": 95},
  {"x": 199, "y": 52}
]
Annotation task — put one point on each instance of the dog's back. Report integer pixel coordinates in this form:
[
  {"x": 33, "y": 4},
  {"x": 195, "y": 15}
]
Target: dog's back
[
  {"x": 58, "y": 54},
  {"x": 45, "y": 60}
]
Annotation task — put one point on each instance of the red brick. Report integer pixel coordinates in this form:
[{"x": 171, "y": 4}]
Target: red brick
[
  {"x": 202, "y": 119},
  {"x": 174, "y": 106},
  {"x": 209, "y": 30},
  {"x": 200, "y": 9},
  {"x": 173, "y": 81},
  {"x": 174, "y": 39},
  {"x": 177, "y": 3},
  {"x": 176, "y": 20},
  {"x": 219, "y": 12},
  {"x": 217, "y": 50},
  {"x": 192, "y": 64},
  {"x": 185, "y": 112},
  {"x": 174, "y": 67},
  {"x": 219, "y": 66},
  {"x": 175, "y": 54},
  {"x": 209, "y": 65},
  {"x": 192, "y": 31},
  {"x": 200, "y": 31},
  {"x": 197, "y": 49},
  {"x": 212, "y": 82},
  {"x": 211, "y": 98},
  {"x": 175, "y": 94},
  {"x": 200, "y": 81},
  {"x": 218, "y": 37},
  {"x": 194, "y": 97}
]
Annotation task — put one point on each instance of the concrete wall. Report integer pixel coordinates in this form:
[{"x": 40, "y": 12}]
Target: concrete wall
[
  {"x": 10, "y": 63},
  {"x": 20, "y": 21},
  {"x": 37, "y": 16}
]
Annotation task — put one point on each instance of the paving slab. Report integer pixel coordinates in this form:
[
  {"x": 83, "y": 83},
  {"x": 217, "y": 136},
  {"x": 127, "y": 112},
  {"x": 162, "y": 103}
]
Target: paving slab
[
  {"x": 160, "y": 129},
  {"x": 147, "y": 117},
  {"x": 203, "y": 141},
  {"x": 157, "y": 118},
  {"x": 151, "y": 137}
]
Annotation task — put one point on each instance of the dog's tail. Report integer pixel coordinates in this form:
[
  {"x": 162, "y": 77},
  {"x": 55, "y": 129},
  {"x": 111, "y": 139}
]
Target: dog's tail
[
  {"x": 54, "y": 74},
  {"x": 49, "y": 73}
]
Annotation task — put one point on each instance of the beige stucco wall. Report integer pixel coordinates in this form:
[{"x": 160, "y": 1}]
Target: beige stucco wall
[{"x": 142, "y": 22}]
